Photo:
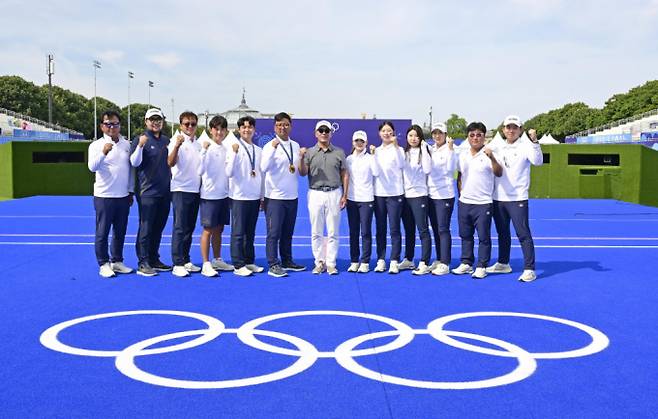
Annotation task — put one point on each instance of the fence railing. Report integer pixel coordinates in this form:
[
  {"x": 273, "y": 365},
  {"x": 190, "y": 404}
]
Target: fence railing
[
  {"x": 614, "y": 124},
  {"x": 39, "y": 121}
]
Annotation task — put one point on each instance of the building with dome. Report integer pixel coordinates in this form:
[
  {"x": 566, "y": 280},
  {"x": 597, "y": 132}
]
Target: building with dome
[{"x": 232, "y": 115}]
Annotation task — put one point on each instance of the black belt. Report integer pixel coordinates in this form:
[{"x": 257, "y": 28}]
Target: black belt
[{"x": 326, "y": 188}]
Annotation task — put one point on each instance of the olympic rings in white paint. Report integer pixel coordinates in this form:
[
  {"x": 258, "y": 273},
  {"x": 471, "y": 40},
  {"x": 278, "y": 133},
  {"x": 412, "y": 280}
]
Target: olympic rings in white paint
[{"x": 308, "y": 354}]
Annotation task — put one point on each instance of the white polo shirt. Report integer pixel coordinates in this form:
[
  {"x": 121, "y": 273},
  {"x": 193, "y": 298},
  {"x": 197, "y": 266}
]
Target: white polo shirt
[
  {"x": 214, "y": 182},
  {"x": 477, "y": 177},
  {"x": 113, "y": 172},
  {"x": 441, "y": 180},
  {"x": 241, "y": 185},
  {"x": 516, "y": 159},
  {"x": 362, "y": 170},
  {"x": 390, "y": 161},
  {"x": 417, "y": 165},
  {"x": 185, "y": 173},
  {"x": 275, "y": 164}
]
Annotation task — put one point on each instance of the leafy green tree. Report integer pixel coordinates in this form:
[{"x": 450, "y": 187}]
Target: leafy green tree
[{"x": 456, "y": 126}]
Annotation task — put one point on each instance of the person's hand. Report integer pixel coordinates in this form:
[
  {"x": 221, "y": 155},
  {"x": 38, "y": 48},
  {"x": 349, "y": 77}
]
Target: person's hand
[
  {"x": 302, "y": 151},
  {"x": 142, "y": 140},
  {"x": 107, "y": 147},
  {"x": 533, "y": 135},
  {"x": 488, "y": 152},
  {"x": 235, "y": 147},
  {"x": 395, "y": 140},
  {"x": 451, "y": 143},
  {"x": 130, "y": 199},
  {"x": 372, "y": 149},
  {"x": 179, "y": 140},
  {"x": 206, "y": 145},
  {"x": 343, "y": 201},
  {"x": 275, "y": 142}
]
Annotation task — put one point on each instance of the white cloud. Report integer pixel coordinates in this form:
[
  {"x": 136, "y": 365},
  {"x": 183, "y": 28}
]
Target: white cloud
[
  {"x": 167, "y": 60},
  {"x": 111, "y": 56}
]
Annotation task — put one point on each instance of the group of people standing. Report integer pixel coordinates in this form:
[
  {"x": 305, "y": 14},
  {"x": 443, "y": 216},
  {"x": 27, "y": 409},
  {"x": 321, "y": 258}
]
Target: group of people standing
[{"x": 229, "y": 179}]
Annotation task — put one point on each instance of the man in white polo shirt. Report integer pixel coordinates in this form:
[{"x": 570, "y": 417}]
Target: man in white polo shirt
[
  {"x": 510, "y": 197},
  {"x": 184, "y": 159},
  {"x": 279, "y": 165},
  {"x": 109, "y": 158},
  {"x": 477, "y": 168}
]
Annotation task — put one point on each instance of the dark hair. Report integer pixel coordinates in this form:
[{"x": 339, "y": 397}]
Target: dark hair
[
  {"x": 218, "y": 122},
  {"x": 188, "y": 115},
  {"x": 419, "y": 133},
  {"x": 110, "y": 114},
  {"x": 383, "y": 124},
  {"x": 247, "y": 118},
  {"x": 476, "y": 126},
  {"x": 281, "y": 116}
]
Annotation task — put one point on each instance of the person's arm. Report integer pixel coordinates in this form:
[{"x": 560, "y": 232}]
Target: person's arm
[
  {"x": 172, "y": 158},
  {"x": 425, "y": 159},
  {"x": 459, "y": 182},
  {"x": 345, "y": 177},
  {"x": 137, "y": 154},
  {"x": 303, "y": 163},
  {"x": 374, "y": 167},
  {"x": 231, "y": 156},
  {"x": 534, "y": 153},
  {"x": 96, "y": 155},
  {"x": 497, "y": 168},
  {"x": 267, "y": 160},
  {"x": 399, "y": 157},
  {"x": 203, "y": 167}
]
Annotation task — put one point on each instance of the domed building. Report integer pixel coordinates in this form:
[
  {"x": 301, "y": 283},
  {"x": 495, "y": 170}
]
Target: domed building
[{"x": 232, "y": 115}]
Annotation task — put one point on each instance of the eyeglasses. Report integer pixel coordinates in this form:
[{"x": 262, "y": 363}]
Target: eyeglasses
[
  {"x": 359, "y": 140},
  {"x": 324, "y": 130},
  {"x": 112, "y": 124},
  {"x": 155, "y": 120},
  {"x": 189, "y": 124}
]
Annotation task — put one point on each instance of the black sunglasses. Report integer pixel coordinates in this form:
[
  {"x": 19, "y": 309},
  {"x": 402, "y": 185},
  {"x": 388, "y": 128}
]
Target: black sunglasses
[
  {"x": 324, "y": 130},
  {"x": 112, "y": 124},
  {"x": 155, "y": 119},
  {"x": 189, "y": 124}
]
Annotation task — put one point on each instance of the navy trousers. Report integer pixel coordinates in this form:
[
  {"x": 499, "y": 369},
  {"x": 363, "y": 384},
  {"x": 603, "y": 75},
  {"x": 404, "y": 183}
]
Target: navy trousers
[
  {"x": 415, "y": 215},
  {"x": 474, "y": 217},
  {"x": 517, "y": 211},
  {"x": 111, "y": 213},
  {"x": 388, "y": 207},
  {"x": 244, "y": 216},
  {"x": 440, "y": 214},
  {"x": 280, "y": 216},
  {"x": 153, "y": 214},
  {"x": 359, "y": 218},
  {"x": 186, "y": 211}
]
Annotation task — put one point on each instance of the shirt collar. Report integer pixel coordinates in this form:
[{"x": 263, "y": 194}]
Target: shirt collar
[
  {"x": 329, "y": 148},
  {"x": 108, "y": 138}
]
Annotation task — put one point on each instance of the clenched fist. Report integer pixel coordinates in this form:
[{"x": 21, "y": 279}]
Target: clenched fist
[
  {"x": 302, "y": 151},
  {"x": 107, "y": 147},
  {"x": 142, "y": 140},
  {"x": 236, "y": 147},
  {"x": 275, "y": 142},
  {"x": 206, "y": 144},
  {"x": 179, "y": 140},
  {"x": 372, "y": 149}
]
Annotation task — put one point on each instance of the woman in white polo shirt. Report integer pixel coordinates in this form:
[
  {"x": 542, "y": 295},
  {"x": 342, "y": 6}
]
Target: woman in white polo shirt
[
  {"x": 389, "y": 196},
  {"x": 360, "y": 201}
]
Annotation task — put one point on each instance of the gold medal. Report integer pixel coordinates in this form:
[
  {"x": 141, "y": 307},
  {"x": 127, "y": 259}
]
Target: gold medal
[
  {"x": 253, "y": 173},
  {"x": 291, "y": 168}
]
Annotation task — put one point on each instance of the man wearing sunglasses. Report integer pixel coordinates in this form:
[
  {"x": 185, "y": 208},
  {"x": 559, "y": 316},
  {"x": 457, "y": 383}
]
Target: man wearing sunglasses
[
  {"x": 326, "y": 167},
  {"x": 510, "y": 197},
  {"x": 109, "y": 159},
  {"x": 149, "y": 158},
  {"x": 184, "y": 159}
]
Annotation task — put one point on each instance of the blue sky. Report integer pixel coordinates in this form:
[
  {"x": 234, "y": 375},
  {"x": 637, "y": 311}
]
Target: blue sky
[{"x": 339, "y": 59}]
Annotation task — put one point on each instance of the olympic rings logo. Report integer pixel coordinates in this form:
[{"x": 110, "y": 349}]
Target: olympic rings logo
[{"x": 307, "y": 354}]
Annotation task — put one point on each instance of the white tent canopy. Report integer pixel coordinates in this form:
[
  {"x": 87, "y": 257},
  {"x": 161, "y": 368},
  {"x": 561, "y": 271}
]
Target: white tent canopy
[{"x": 548, "y": 139}]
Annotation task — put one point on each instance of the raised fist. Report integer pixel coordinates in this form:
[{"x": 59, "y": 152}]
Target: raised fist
[
  {"x": 142, "y": 140},
  {"x": 488, "y": 152},
  {"x": 372, "y": 149},
  {"x": 179, "y": 140},
  {"x": 302, "y": 151},
  {"x": 206, "y": 144},
  {"x": 107, "y": 147},
  {"x": 235, "y": 147},
  {"x": 275, "y": 142}
]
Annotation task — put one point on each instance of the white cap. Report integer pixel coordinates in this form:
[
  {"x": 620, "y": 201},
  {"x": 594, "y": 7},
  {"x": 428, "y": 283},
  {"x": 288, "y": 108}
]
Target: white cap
[
  {"x": 512, "y": 119},
  {"x": 323, "y": 123},
  {"x": 360, "y": 135},
  {"x": 154, "y": 112},
  {"x": 440, "y": 126}
]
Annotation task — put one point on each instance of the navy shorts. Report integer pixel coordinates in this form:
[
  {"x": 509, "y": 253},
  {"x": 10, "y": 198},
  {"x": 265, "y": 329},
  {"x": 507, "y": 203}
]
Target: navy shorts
[{"x": 215, "y": 212}]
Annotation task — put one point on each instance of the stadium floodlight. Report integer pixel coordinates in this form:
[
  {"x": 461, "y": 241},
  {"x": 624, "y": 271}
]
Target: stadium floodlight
[
  {"x": 131, "y": 75},
  {"x": 50, "y": 70},
  {"x": 97, "y": 66},
  {"x": 151, "y": 84}
]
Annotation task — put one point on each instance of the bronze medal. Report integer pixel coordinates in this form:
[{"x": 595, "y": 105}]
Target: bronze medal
[
  {"x": 291, "y": 168},
  {"x": 253, "y": 173}
]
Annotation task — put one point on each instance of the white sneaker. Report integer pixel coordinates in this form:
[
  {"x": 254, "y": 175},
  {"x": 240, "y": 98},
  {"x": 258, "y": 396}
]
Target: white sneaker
[
  {"x": 441, "y": 269},
  {"x": 434, "y": 265},
  {"x": 219, "y": 264},
  {"x": 244, "y": 271},
  {"x": 331, "y": 270},
  {"x": 180, "y": 271},
  {"x": 381, "y": 265},
  {"x": 319, "y": 268},
  {"x": 406, "y": 264},
  {"x": 499, "y": 268},
  {"x": 364, "y": 268},
  {"x": 528, "y": 275},
  {"x": 190, "y": 267},
  {"x": 255, "y": 268},
  {"x": 354, "y": 266},
  {"x": 120, "y": 268},
  {"x": 106, "y": 271},
  {"x": 463, "y": 268},
  {"x": 422, "y": 269},
  {"x": 393, "y": 268},
  {"x": 207, "y": 269},
  {"x": 479, "y": 273}
]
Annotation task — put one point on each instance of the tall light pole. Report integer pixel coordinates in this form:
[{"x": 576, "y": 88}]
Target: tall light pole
[
  {"x": 131, "y": 75},
  {"x": 206, "y": 113},
  {"x": 50, "y": 70},
  {"x": 151, "y": 84},
  {"x": 172, "y": 116},
  {"x": 430, "y": 119},
  {"x": 97, "y": 66}
]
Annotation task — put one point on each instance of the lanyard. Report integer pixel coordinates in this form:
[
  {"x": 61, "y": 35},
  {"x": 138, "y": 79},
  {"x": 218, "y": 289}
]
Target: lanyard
[
  {"x": 291, "y": 167},
  {"x": 252, "y": 156}
]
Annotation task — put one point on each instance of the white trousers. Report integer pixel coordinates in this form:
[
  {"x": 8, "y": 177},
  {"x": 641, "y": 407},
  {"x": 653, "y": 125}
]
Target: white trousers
[{"x": 324, "y": 210}]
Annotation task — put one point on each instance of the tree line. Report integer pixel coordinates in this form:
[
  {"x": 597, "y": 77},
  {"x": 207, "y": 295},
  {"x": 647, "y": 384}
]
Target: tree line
[{"x": 76, "y": 112}]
